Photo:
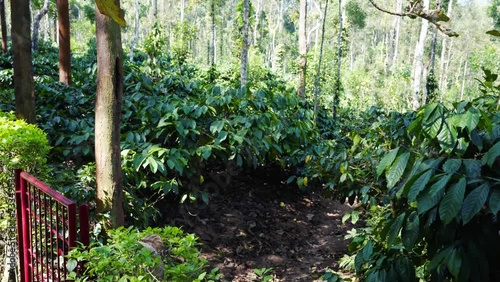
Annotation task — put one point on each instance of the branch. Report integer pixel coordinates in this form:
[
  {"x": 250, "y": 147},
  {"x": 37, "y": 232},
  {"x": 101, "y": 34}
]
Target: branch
[
  {"x": 386, "y": 11},
  {"x": 414, "y": 10}
]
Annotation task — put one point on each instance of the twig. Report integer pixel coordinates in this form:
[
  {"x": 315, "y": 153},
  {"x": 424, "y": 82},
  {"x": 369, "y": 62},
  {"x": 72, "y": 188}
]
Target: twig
[{"x": 386, "y": 11}]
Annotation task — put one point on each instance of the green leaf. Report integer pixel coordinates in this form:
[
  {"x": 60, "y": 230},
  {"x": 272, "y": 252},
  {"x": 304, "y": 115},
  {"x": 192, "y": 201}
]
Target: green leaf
[
  {"x": 494, "y": 201},
  {"x": 386, "y": 161},
  {"x": 452, "y": 165},
  {"x": 409, "y": 234},
  {"x": 405, "y": 269},
  {"x": 397, "y": 169},
  {"x": 222, "y": 136},
  {"x": 419, "y": 185},
  {"x": 447, "y": 137},
  {"x": 474, "y": 202},
  {"x": 454, "y": 262},
  {"x": 493, "y": 32},
  {"x": 469, "y": 119},
  {"x": 428, "y": 200},
  {"x": 491, "y": 155},
  {"x": 452, "y": 201},
  {"x": 216, "y": 126},
  {"x": 472, "y": 168},
  {"x": 439, "y": 258},
  {"x": 433, "y": 119},
  {"x": 394, "y": 229}
]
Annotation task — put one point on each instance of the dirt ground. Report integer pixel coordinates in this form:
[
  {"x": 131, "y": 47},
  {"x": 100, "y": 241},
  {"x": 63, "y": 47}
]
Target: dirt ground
[{"x": 258, "y": 224}]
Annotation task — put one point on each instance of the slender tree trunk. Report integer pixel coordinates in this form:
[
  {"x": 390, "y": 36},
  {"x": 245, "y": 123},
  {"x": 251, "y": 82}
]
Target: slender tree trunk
[
  {"x": 107, "y": 118},
  {"x": 442, "y": 63},
  {"x": 183, "y": 7},
  {"x": 64, "y": 42},
  {"x": 244, "y": 45},
  {"x": 393, "y": 41},
  {"x": 23, "y": 69},
  {"x": 318, "y": 74},
  {"x": 397, "y": 23},
  {"x": 136, "y": 31},
  {"x": 3, "y": 23},
  {"x": 418, "y": 64},
  {"x": 464, "y": 78},
  {"x": 339, "y": 58},
  {"x": 211, "y": 56},
  {"x": 257, "y": 21},
  {"x": 301, "y": 91},
  {"x": 155, "y": 10},
  {"x": 36, "y": 23}
]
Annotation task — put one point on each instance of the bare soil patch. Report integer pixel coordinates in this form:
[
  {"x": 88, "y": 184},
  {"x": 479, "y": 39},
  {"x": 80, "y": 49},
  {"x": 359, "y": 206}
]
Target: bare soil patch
[{"x": 259, "y": 224}]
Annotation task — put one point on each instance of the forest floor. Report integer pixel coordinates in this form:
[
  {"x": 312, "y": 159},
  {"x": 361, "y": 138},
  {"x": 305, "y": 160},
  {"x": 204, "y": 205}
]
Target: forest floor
[{"x": 258, "y": 224}]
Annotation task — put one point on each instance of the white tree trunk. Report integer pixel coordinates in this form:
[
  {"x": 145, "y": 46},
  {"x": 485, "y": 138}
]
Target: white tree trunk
[
  {"x": 443, "y": 62},
  {"x": 302, "y": 48},
  {"x": 418, "y": 63}
]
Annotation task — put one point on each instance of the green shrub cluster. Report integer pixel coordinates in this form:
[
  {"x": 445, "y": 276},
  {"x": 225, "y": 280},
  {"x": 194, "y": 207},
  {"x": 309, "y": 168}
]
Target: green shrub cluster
[
  {"x": 124, "y": 258},
  {"x": 436, "y": 214},
  {"x": 22, "y": 146}
]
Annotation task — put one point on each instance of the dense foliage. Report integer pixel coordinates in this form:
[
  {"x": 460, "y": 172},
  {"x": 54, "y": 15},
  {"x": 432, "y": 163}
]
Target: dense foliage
[
  {"x": 426, "y": 182},
  {"x": 124, "y": 258},
  {"x": 23, "y": 146}
]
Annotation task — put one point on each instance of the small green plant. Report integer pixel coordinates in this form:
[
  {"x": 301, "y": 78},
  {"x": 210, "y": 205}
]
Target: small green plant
[
  {"x": 127, "y": 256},
  {"x": 263, "y": 274}
]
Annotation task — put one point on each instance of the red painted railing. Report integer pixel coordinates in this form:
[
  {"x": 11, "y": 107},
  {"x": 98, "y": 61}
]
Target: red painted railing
[{"x": 47, "y": 229}]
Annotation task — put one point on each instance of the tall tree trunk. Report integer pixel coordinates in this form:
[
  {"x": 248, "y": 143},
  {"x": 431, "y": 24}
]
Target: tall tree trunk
[
  {"x": 21, "y": 51},
  {"x": 183, "y": 7},
  {"x": 443, "y": 61},
  {"x": 107, "y": 118},
  {"x": 301, "y": 91},
  {"x": 211, "y": 55},
  {"x": 136, "y": 31},
  {"x": 155, "y": 10},
  {"x": 318, "y": 74},
  {"x": 393, "y": 41},
  {"x": 64, "y": 42},
  {"x": 418, "y": 64},
  {"x": 36, "y": 23},
  {"x": 257, "y": 21},
  {"x": 3, "y": 23},
  {"x": 244, "y": 45},
  {"x": 339, "y": 57},
  {"x": 464, "y": 78},
  {"x": 397, "y": 23}
]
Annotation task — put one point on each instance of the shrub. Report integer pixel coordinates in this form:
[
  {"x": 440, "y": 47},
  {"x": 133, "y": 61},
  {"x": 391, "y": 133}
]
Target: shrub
[
  {"x": 124, "y": 257},
  {"x": 22, "y": 146}
]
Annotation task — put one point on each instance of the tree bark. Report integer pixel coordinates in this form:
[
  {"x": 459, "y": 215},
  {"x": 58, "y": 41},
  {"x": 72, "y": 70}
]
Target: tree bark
[
  {"x": 21, "y": 51},
  {"x": 418, "y": 64},
  {"x": 36, "y": 23},
  {"x": 318, "y": 74},
  {"x": 244, "y": 43},
  {"x": 3, "y": 23},
  {"x": 64, "y": 42},
  {"x": 107, "y": 118},
  {"x": 301, "y": 90}
]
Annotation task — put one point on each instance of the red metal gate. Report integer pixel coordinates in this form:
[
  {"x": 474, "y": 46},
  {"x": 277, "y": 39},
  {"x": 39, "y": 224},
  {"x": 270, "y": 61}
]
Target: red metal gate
[{"x": 47, "y": 229}]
